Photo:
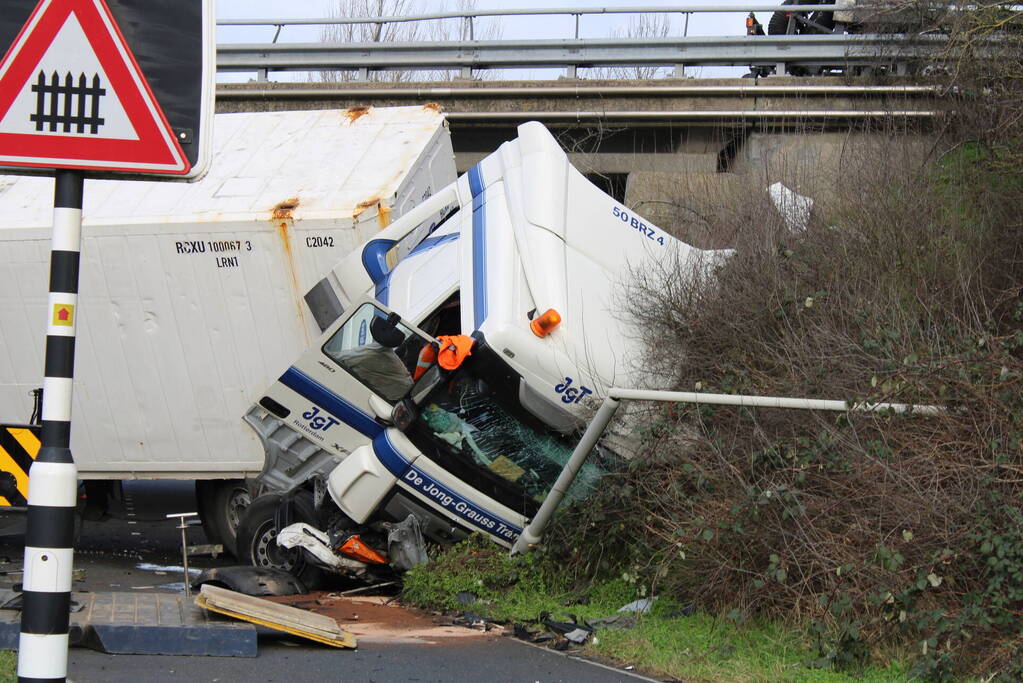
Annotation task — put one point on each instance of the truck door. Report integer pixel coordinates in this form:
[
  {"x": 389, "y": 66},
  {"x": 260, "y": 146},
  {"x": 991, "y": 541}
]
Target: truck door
[{"x": 355, "y": 373}]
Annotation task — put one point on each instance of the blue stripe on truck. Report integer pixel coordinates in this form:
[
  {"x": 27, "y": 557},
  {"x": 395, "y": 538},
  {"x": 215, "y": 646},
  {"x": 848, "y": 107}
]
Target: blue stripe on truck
[
  {"x": 309, "y": 388},
  {"x": 479, "y": 246},
  {"x": 432, "y": 490}
]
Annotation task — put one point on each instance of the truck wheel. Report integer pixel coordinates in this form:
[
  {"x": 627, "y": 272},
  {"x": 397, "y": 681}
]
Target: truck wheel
[
  {"x": 778, "y": 24},
  {"x": 257, "y": 537},
  {"x": 222, "y": 505}
]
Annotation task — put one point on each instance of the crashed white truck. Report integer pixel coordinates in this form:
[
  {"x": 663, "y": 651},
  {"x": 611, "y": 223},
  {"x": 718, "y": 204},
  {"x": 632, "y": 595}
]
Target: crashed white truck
[
  {"x": 193, "y": 296},
  {"x": 384, "y": 434}
]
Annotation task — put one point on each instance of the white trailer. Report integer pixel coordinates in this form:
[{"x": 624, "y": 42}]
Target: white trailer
[{"x": 195, "y": 297}]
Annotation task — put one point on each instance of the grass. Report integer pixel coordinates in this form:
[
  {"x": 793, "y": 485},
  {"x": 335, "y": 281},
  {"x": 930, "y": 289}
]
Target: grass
[
  {"x": 701, "y": 647},
  {"x": 668, "y": 641},
  {"x": 8, "y": 666}
]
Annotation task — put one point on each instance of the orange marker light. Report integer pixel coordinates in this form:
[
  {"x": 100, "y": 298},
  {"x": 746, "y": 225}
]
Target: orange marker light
[
  {"x": 357, "y": 550},
  {"x": 545, "y": 323}
]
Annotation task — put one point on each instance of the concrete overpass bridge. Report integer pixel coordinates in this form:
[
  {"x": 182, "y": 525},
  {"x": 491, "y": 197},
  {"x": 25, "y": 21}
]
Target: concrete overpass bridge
[
  {"x": 638, "y": 138},
  {"x": 648, "y": 142}
]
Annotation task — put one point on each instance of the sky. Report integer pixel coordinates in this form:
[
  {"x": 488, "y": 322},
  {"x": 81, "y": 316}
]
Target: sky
[{"x": 707, "y": 24}]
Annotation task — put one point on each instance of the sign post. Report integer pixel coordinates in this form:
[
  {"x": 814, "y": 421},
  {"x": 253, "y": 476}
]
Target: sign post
[
  {"x": 77, "y": 96},
  {"x": 53, "y": 478}
]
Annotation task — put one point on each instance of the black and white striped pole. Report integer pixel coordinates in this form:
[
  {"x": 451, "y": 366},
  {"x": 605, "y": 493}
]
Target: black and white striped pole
[{"x": 53, "y": 478}]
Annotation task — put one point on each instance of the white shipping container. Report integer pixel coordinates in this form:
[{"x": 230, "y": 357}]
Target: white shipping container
[{"x": 192, "y": 295}]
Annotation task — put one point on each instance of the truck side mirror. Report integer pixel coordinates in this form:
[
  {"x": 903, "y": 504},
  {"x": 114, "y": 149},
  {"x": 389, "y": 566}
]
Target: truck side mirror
[
  {"x": 385, "y": 331},
  {"x": 404, "y": 414},
  {"x": 405, "y": 411}
]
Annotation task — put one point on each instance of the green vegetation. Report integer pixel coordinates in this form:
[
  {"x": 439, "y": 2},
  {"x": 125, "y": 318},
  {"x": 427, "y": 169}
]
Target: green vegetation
[
  {"x": 8, "y": 666},
  {"x": 816, "y": 545},
  {"x": 869, "y": 530},
  {"x": 670, "y": 640}
]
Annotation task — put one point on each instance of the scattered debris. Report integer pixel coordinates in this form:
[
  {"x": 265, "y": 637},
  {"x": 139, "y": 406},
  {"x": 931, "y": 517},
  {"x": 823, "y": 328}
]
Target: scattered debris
[
  {"x": 638, "y": 606},
  {"x": 363, "y": 589},
  {"x": 794, "y": 208},
  {"x": 298, "y": 622},
  {"x": 371, "y": 617},
  {"x": 571, "y": 631},
  {"x": 465, "y": 598},
  {"x": 406, "y": 547},
  {"x": 257, "y": 581},
  {"x": 211, "y": 549},
  {"x": 165, "y": 568},
  {"x": 10, "y": 599},
  {"x": 318, "y": 544}
]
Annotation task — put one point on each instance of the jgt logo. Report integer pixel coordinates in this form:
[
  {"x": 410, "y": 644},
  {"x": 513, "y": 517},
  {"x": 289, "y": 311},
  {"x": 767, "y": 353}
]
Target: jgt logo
[
  {"x": 317, "y": 421},
  {"x": 570, "y": 394}
]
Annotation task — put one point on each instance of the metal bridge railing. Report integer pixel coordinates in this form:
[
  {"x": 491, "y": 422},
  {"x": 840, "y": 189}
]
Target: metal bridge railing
[
  {"x": 469, "y": 16},
  {"x": 778, "y": 52}
]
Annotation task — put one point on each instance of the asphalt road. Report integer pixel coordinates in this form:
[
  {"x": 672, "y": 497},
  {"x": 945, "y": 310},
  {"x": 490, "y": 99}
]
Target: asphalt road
[{"x": 139, "y": 549}]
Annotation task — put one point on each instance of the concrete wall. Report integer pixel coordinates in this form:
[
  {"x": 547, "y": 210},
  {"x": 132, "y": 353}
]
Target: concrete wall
[{"x": 701, "y": 205}]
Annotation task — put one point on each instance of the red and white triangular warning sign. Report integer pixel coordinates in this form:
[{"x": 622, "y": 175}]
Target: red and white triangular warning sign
[{"x": 73, "y": 96}]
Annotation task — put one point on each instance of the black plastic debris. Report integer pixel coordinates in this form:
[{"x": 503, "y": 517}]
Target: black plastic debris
[
  {"x": 465, "y": 598},
  {"x": 572, "y": 631},
  {"x": 256, "y": 581},
  {"x": 687, "y": 611}
]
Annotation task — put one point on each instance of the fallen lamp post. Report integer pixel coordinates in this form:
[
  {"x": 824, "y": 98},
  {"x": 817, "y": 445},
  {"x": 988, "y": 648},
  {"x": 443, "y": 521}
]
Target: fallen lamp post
[{"x": 533, "y": 532}]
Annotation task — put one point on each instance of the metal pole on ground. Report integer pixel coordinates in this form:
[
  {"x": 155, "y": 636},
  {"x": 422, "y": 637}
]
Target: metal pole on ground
[
  {"x": 532, "y": 534},
  {"x": 53, "y": 478},
  {"x": 183, "y": 525}
]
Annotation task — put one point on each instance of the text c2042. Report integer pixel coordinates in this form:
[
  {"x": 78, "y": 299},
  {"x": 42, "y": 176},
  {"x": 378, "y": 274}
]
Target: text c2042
[{"x": 636, "y": 224}]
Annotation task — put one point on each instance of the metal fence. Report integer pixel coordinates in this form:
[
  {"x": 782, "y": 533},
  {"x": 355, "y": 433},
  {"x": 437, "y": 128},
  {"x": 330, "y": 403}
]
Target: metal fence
[{"x": 466, "y": 58}]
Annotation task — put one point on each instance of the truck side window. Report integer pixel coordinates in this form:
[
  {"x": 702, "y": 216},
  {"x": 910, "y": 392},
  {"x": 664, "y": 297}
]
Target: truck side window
[{"x": 376, "y": 351}]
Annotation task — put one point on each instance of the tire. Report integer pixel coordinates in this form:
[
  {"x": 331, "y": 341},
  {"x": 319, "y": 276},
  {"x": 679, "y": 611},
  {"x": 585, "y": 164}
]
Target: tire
[
  {"x": 778, "y": 25},
  {"x": 779, "y": 22},
  {"x": 222, "y": 505},
  {"x": 257, "y": 537}
]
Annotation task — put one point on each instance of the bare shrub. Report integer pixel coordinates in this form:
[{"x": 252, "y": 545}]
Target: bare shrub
[
  {"x": 904, "y": 287},
  {"x": 456, "y": 29},
  {"x": 658, "y": 25}
]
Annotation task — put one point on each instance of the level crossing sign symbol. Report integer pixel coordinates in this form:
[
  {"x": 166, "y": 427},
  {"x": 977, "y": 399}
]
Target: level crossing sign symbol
[
  {"x": 73, "y": 96},
  {"x": 57, "y": 99}
]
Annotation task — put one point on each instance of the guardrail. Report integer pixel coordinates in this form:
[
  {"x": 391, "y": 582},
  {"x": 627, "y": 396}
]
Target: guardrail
[
  {"x": 469, "y": 16},
  {"x": 780, "y": 53},
  {"x": 806, "y": 52}
]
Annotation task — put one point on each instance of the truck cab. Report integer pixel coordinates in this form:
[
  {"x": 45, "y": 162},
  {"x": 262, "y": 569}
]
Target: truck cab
[{"x": 530, "y": 266}]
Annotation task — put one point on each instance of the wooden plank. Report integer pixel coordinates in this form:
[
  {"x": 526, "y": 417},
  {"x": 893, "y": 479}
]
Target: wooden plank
[
  {"x": 285, "y": 618},
  {"x": 248, "y": 604}
]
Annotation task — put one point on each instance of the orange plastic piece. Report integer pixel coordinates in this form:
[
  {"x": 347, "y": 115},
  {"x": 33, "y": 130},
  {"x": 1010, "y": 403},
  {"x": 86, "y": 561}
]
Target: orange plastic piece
[
  {"x": 453, "y": 350},
  {"x": 357, "y": 550},
  {"x": 427, "y": 357},
  {"x": 545, "y": 323}
]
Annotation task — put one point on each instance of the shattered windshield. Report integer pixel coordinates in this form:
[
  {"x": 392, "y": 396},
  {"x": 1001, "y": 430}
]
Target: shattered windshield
[{"x": 482, "y": 435}]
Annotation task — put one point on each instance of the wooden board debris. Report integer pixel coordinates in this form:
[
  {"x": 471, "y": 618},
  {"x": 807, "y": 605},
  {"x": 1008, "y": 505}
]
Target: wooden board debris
[{"x": 298, "y": 622}]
